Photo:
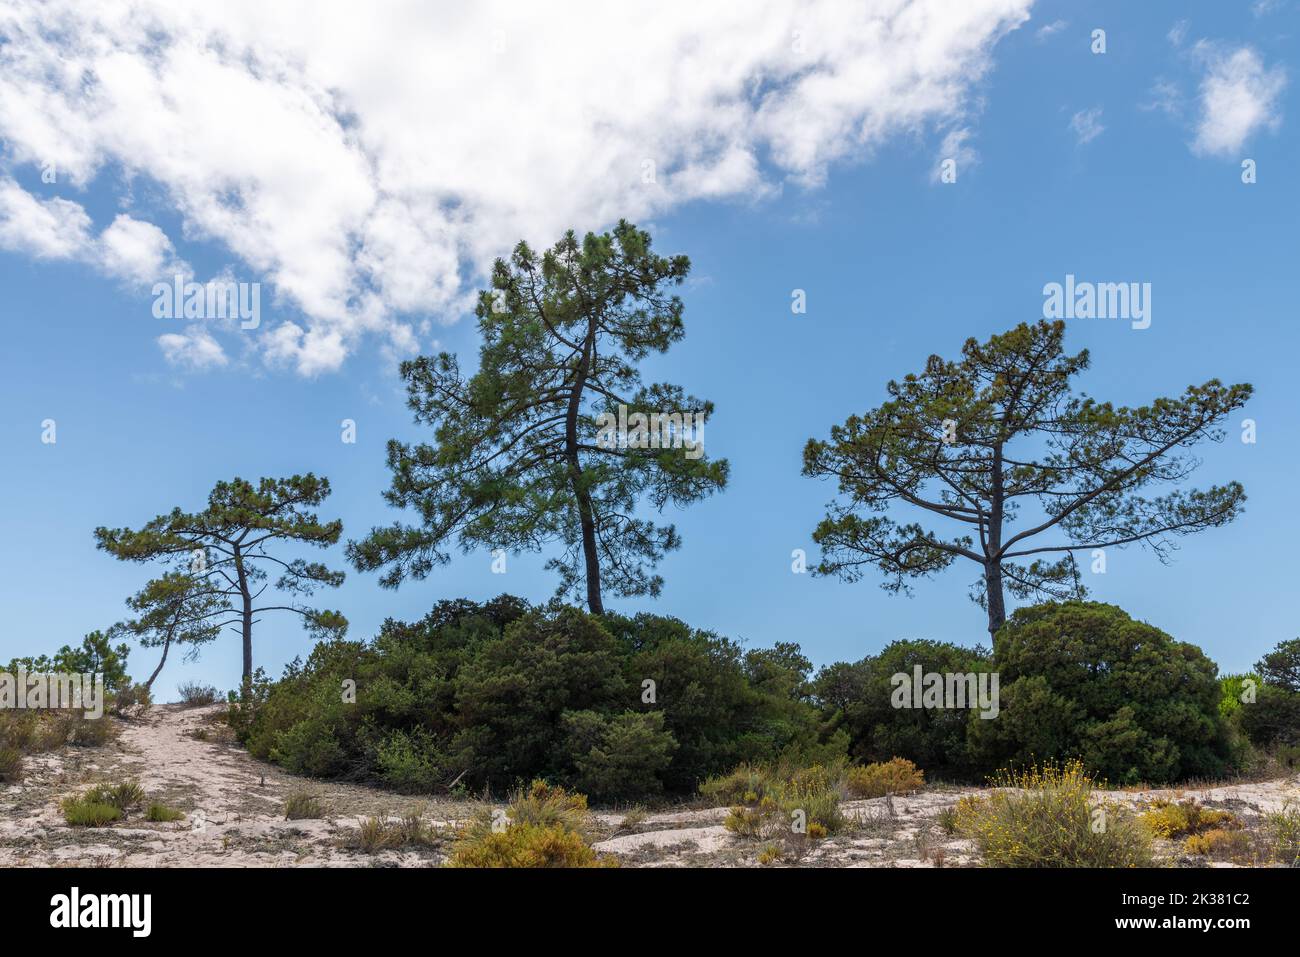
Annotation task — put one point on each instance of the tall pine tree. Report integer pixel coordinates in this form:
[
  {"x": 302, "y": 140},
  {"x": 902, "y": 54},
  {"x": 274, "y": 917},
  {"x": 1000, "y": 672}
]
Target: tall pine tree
[{"x": 521, "y": 457}]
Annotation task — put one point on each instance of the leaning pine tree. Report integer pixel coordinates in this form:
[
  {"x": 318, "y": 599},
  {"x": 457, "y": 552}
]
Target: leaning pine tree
[
  {"x": 525, "y": 453},
  {"x": 177, "y": 610},
  {"x": 225, "y": 551},
  {"x": 973, "y": 441}
]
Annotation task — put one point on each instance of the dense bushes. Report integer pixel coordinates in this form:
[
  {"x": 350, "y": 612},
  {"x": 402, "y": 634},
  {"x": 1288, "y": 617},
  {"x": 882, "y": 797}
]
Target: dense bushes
[
  {"x": 1084, "y": 680},
  {"x": 633, "y": 708},
  {"x": 1076, "y": 680},
  {"x": 1265, "y": 706},
  {"x": 856, "y": 698},
  {"x": 496, "y": 694}
]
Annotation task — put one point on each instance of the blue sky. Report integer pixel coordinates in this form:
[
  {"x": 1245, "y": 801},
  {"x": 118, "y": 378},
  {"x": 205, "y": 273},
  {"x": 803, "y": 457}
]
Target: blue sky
[{"x": 1120, "y": 166}]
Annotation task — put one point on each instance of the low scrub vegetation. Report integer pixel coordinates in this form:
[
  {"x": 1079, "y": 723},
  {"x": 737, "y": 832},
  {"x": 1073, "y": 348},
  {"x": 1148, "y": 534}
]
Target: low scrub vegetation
[
  {"x": 1187, "y": 818},
  {"x": 11, "y": 764},
  {"x": 301, "y": 805},
  {"x": 195, "y": 695},
  {"x": 161, "y": 813},
  {"x": 123, "y": 796},
  {"x": 104, "y": 804},
  {"x": 782, "y": 802},
  {"x": 391, "y": 834},
  {"x": 895, "y": 776},
  {"x": 1046, "y": 818},
  {"x": 1283, "y": 829},
  {"x": 1220, "y": 844},
  {"x": 79, "y": 812},
  {"x": 542, "y": 826}
]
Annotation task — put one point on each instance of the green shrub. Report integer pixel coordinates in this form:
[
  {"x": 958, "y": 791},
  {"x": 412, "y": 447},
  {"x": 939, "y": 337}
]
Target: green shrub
[
  {"x": 895, "y": 776},
  {"x": 1084, "y": 680},
  {"x": 1281, "y": 666},
  {"x": 484, "y": 695},
  {"x": 79, "y": 812},
  {"x": 624, "y": 757},
  {"x": 747, "y": 783},
  {"x": 857, "y": 699},
  {"x": 123, "y": 796},
  {"x": 301, "y": 805},
  {"x": 1273, "y": 719},
  {"x": 161, "y": 813},
  {"x": 1046, "y": 819},
  {"x": 777, "y": 802}
]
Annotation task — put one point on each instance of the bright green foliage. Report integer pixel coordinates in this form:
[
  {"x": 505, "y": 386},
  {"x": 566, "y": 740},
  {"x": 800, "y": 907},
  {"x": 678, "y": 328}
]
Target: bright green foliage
[
  {"x": 123, "y": 796},
  {"x": 1084, "y": 680},
  {"x": 491, "y": 694},
  {"x": 80, "y": 813},
  {"x": 519, "y": 459},
  {"x": 977, "y": 440},
  {"x": 219, "y": 557},
  {"x": 1234, "y": 690},
  {"x": 162, "y": 814}
]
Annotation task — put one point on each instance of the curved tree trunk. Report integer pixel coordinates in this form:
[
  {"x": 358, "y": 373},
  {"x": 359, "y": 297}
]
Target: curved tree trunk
[{"x": 153, "y": 677}]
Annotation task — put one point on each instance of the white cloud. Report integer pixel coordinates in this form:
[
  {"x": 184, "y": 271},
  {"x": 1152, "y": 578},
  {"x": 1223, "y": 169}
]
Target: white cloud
[
  {"x": 45, "y": 228},
  {"x": 1178, "y": 33},
  {"x": 138, "y": 252},
  {"x": 1238, "y": 96},
  {"x": 372, "y": 166},
  {"x": 193, "y": 349},
  {"x": 130, "y": 249},
  {"x": 1086, "y": 125},
  {"x": 1049, "y": 30}
]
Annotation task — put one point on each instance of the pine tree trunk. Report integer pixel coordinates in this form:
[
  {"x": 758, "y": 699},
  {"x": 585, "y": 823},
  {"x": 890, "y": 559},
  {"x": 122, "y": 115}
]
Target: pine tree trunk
[
  {"x": 247, "y": 621},
  {"x": 993, "y": 595},
  {"x": 586, "y": 517},
  {"x": 992, "y": 552},
  {"x": 157, "y": 671}
]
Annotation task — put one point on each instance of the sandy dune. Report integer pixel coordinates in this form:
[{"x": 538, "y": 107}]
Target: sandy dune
[{"x": 186, "y": 759}]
